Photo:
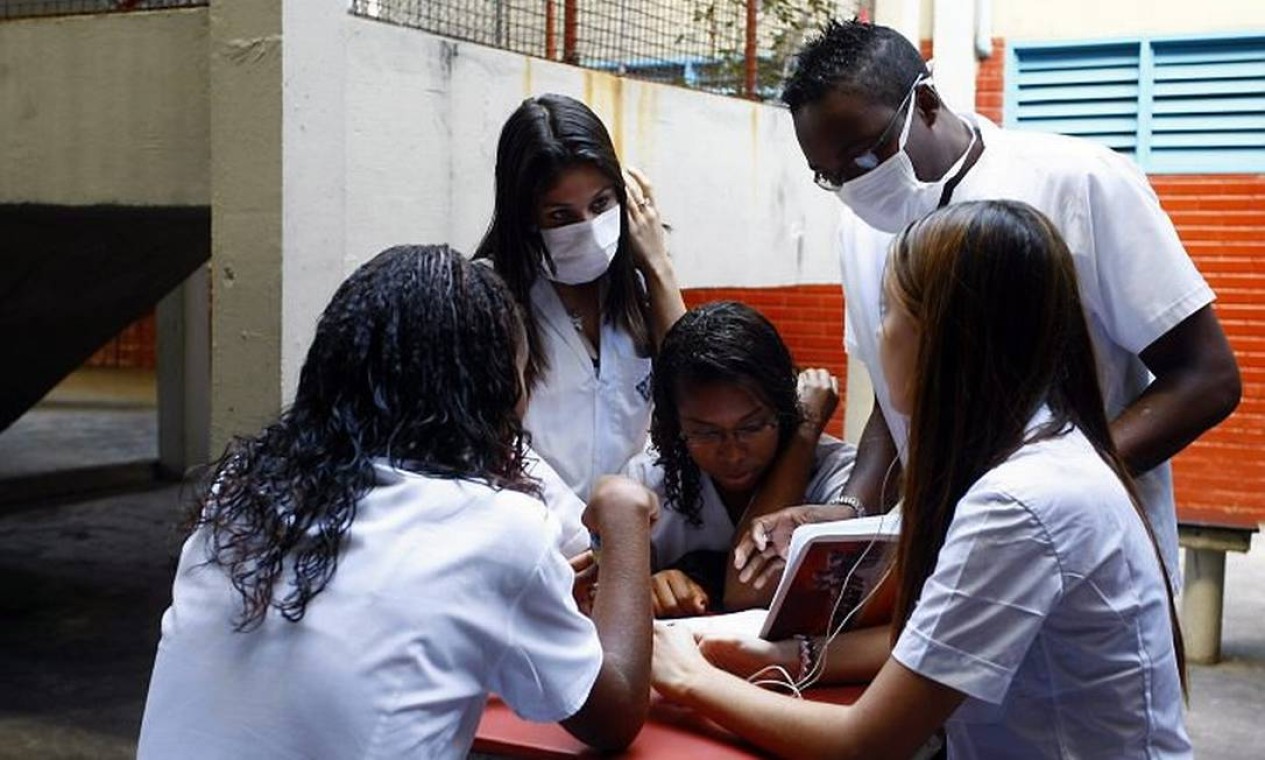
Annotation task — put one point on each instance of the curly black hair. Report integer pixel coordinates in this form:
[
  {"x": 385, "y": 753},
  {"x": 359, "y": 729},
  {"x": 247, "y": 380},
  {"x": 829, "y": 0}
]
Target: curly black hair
[
  {"x": 853, "y": 56},
  {"x": 414, "y": 362},
  {"x": 720, "y": 342}
]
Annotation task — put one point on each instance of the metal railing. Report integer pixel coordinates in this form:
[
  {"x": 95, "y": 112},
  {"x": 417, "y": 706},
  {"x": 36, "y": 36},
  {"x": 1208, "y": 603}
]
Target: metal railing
[
  {"x": 733, "y": 47},
  {"x": 32, "y": 8}
]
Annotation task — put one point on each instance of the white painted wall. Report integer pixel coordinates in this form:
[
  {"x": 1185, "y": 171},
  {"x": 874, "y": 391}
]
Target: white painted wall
[
  {"x": 424, "y": 114},
  {"x": 389, "y": 136},
  {"x": 105, "y": 109},
  {"x": 1041, "y": 20}
]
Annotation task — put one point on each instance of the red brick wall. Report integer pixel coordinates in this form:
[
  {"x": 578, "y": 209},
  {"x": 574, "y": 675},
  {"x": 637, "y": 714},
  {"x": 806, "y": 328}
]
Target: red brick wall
[
  {"x": 1221, "y": 219},
  {"x": 133, "y": 348},
  {"x": 810, "y": 319},
  {"x": 990, "y": 84}
]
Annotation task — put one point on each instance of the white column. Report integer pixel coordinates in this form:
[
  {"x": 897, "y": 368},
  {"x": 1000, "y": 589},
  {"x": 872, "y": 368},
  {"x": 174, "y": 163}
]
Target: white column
[
  {"x": 246, "y": 281},
  {"x": 184, "y": 374},
  {"x": 953, "y": 40},
  {"x": 905, "y": 16}
]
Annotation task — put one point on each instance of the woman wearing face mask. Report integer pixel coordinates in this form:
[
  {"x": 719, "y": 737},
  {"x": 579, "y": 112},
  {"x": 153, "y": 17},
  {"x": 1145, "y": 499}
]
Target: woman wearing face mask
[{"x": 582, "y": 248}]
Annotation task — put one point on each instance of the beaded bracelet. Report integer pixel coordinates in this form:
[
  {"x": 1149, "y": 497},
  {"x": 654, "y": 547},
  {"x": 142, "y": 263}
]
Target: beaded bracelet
[{"x": 808, "y": 654}]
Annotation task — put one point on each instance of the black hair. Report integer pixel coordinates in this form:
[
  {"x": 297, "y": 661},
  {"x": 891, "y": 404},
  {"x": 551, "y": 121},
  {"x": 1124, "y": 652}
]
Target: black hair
[
  {"x": 720, "y": 342},
  {"x": 873, "y": 61},
  {"x": 413, "y": 362},
  {"x": 545, "y": 136}
]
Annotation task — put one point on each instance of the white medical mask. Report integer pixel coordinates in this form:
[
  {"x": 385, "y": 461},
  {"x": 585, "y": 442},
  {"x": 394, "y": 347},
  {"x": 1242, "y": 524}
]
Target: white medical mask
[
  {"x": 890, "y": 196},
  {"x": 582, "y": 252}
]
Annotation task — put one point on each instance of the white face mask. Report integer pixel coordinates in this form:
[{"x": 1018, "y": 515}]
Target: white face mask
[
  {"x": 582, "y": 252},
  {"x": 890, "y": 196}
]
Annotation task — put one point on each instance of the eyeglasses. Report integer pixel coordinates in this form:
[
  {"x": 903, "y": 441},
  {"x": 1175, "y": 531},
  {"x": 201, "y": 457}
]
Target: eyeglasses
[
  {"x": 868, "y": 159},
  {"x": 742, "y": 435}
]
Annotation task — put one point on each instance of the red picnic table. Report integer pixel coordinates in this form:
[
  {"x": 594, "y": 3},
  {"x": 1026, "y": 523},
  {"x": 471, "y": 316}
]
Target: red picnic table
[{"x": 670, "y": 732}]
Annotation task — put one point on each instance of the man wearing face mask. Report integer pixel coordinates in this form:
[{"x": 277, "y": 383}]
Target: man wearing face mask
[{"x": 875, "y": 131}]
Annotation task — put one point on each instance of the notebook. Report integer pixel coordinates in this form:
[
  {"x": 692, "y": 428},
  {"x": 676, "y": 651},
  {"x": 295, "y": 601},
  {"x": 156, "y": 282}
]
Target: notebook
[{"x": 822, "y": 556}]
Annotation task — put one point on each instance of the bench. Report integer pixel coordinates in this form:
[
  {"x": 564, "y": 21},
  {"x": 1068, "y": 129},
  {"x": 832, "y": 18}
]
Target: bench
[{"x": 1207, "y": 535}]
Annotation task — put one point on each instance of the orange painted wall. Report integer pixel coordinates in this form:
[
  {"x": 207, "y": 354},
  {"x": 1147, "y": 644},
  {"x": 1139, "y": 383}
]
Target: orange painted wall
[
  {"x": 810, "y": 319},
  {"x": 1221, "y": 219},
  {"x": 133, "y": 348}
]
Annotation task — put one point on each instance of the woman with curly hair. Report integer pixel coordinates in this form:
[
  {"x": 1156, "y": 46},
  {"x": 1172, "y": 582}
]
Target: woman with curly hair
[
  {"x": 365, "y": 570},
  {"x": 729, "y": 404},
  {"x": 580, "y": 243}
]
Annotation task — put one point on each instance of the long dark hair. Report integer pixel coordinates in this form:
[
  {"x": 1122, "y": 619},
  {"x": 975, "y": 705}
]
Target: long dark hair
[
  {"x": 993, "y": 289},
  {"x": 720, "y": 342},
  {"x": 545, "y": 136},
  {"x": 413, "y": 362}
]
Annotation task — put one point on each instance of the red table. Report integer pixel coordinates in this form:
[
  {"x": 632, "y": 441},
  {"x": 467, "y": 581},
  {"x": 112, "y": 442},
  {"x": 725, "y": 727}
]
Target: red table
[{"x": 670, "y": 732}]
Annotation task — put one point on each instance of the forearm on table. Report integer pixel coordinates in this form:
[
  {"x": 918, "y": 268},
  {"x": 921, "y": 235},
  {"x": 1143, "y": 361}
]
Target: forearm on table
[
  {"x": 617, "y": 705},
  {"x": 782, "y": 725},
  {"x": 857, "y": 656}
]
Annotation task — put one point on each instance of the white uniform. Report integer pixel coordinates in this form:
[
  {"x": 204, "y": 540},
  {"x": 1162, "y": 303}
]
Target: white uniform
[
  {"x": 586, "y": 421},
  {"x": 672, "y": 537},
  {"x": 445, "y": 590},
  {"x": 1047, "y": 609},
  {"x": 1136, "y": 280},
  {"x": 573, "y": 538}
]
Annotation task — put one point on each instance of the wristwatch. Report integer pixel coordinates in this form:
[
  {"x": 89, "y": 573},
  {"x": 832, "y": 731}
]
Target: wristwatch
[{"x": 851, "y": 501}]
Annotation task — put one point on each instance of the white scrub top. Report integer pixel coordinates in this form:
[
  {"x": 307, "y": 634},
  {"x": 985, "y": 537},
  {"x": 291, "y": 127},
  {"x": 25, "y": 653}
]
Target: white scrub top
[
  {"x": 566, "y": 507},
  {"x": 445, "y": 590},
  {"x": 672, "y": 536},
  {"x": 1047, "y": 609},
  {"x": 1136, "y": 280},
  {"x": 586, "y": 421}
]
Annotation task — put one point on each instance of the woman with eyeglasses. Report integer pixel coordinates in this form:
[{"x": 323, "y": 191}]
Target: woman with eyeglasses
[
  {"x": 581, "y": 245},
  {"x": 737, "y": 433}
]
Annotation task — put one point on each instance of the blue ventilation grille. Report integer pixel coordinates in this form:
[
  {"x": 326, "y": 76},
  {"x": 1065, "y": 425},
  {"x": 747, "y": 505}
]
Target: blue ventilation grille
[{"x": 1175, "y": 106}]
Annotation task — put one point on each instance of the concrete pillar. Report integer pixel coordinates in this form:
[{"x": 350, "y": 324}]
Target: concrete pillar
[
  {"x": 953, "y": 39},
  {"x": 858, "y": 400},
  {"x": 1202, "y": 596},
  {"x": 184, "y": 375},
  {"x": 905, "y": 16},
  {"x": 246, "y": 210}
]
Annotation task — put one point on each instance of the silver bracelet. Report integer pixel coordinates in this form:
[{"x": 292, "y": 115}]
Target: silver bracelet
[{"x": 851, "y": 501}]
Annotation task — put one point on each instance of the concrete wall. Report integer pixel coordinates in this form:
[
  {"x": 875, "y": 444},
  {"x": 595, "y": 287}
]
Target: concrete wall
[
  {"x": 424, "y": 113},
  {"x": 105, "y": 109},
  {"x": 1040, "y": 20}
]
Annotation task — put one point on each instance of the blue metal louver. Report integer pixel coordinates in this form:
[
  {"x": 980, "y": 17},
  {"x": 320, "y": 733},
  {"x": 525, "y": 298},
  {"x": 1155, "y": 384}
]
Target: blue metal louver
[{"x": 1174, "y": 105}]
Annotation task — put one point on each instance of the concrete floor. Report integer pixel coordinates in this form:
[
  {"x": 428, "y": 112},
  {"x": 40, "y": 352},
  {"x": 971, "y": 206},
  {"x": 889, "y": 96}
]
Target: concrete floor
[{"x": 82, "y": 588}]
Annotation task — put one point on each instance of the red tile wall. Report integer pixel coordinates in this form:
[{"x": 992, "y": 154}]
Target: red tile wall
[
  {"x": 1221, "y": 219},
  {"x": 133, "y": 348},
  {"x": 810, "y": 319}
]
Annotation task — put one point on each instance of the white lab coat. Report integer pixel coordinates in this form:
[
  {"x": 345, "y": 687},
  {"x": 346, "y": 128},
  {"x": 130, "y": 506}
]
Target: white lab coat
[
  {"x": 1136, "y": 280},
  {"x": 584, "y": 421},
  {"x": 1047, "y": 609}
]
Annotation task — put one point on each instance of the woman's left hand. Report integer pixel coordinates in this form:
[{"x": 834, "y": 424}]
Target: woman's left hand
[
  {"x": 645, "y": 227},
  {"x": 676, "y": 660}
]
